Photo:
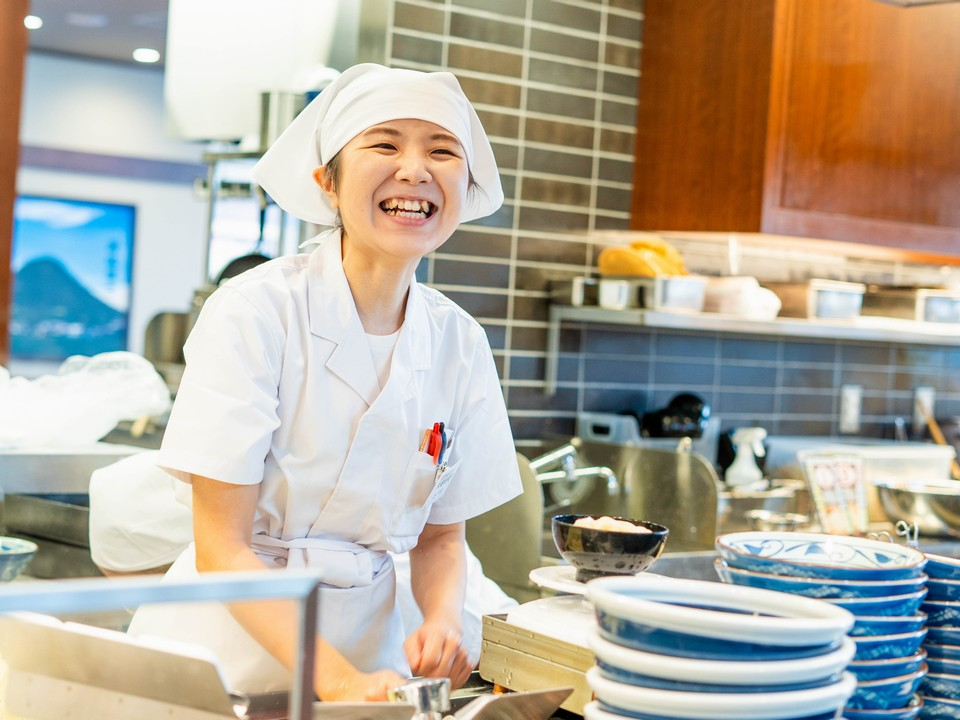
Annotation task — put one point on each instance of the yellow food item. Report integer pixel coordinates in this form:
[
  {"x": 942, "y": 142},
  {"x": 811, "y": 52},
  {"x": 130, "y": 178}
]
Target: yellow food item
[
  {"x": 648, "y": 256},
  {"x": 664, "y": 249},
  {"x": 627, "y": 261},
  {"x": 610, "y": 524}
]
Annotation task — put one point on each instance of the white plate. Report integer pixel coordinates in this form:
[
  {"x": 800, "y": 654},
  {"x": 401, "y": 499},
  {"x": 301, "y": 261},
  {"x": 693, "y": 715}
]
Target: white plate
[
  {"x": 559, "y": 578},
  {"x": 722, "y": 706},
  {"x": 720, "y": 672},
  {"x": 721, "y": 611}
]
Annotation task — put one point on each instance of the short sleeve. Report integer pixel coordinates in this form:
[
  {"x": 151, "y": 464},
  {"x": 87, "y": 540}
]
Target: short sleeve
[{"x": 225, "y": 412}]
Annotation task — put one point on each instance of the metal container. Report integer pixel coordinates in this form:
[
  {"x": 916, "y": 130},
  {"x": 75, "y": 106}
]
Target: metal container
[
  {"x": 578, "y": 291},
  {"x": 683, "y": 292},
  {"x": 277, "y": 111},
  {"x": 934, "y": 505},
  {"x": 920, "y": 304},
  {"x": 818, "y": 298},
  {"x": 735, "y": 507}
]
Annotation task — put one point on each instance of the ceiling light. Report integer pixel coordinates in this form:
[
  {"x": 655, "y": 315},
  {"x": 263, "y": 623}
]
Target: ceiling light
[
  {"x": 33, "y": 22},
  {"x": 146, "y": 55}
]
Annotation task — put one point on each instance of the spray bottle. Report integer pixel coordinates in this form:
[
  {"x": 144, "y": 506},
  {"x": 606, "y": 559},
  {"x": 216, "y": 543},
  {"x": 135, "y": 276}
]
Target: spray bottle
[{"x": 749, "y": 444}]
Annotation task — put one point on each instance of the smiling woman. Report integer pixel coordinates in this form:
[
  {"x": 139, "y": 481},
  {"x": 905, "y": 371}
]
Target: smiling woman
[{"x": 333, "y": 410}]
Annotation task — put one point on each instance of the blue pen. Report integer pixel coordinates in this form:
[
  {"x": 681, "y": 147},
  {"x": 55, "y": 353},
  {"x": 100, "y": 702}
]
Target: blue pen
[{"x": 443, "y": 443}]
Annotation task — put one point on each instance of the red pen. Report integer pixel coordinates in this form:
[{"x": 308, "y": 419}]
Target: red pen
[{"x": 436, "y": 442}]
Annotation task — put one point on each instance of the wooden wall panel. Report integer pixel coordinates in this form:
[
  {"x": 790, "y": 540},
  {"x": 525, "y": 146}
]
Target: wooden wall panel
[
  {"x": 702, "y": 117},
  {"x": 13, "y": 51},
  {"x": 863, "y": 142}
]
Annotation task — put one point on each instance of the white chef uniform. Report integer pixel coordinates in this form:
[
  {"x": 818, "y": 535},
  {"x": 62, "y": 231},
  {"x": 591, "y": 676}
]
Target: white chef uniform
[{"x": 280, "y": 389}]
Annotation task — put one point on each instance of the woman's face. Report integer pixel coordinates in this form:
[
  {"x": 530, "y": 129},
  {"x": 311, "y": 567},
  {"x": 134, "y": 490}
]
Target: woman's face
[{"x": 401, "y": 188}]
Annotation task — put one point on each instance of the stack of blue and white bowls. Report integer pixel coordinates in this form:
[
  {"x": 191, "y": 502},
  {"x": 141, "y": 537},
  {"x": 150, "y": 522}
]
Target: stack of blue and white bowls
[
  {"x": 883, "y": 584},
  {"x": 672, "y": 649},
  {"x": 941, "y": 687}
]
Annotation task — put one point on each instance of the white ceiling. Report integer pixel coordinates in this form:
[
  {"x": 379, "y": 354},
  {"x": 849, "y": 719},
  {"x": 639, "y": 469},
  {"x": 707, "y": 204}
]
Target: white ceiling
[{"x": 102, "y": 29}]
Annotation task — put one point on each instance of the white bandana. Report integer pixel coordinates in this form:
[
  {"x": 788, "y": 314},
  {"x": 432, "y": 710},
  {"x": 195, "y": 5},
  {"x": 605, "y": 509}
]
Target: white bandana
[{"x": 363, "y": 96}]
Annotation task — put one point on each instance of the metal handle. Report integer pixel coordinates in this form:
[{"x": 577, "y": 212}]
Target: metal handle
[{"x": 430, "y": 696}]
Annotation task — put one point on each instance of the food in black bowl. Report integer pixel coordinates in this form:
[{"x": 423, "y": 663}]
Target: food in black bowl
[{"x": 607, "y": 546}]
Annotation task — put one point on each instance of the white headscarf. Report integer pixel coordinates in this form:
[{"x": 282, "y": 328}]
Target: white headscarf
[{"x": 363, "y": 96}]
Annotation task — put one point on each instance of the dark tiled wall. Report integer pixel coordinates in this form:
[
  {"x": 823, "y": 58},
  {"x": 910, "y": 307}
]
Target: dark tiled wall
[{"x": 555, "y": 83}]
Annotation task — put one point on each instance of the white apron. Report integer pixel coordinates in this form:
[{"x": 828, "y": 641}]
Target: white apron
[{"x": 357, "y": 583}]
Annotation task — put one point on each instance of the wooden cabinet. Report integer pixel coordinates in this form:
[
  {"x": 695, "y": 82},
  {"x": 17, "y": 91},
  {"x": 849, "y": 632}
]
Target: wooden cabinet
[{"x": 820, "y": 118}]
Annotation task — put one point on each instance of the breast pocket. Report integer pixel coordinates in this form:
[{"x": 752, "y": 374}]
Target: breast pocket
[{"x": 422, "y": 486}]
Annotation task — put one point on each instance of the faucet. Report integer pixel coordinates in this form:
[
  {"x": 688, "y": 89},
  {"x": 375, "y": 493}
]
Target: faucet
[{"x": 566, "y": 457}]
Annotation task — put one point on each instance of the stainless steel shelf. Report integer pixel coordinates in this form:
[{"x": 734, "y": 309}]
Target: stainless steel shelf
[{"x": 865, "y": 328}]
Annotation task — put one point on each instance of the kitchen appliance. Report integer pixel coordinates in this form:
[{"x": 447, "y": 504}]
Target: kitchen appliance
[
  {"x": 920, "y": 304},
  {"x": 817, "y": 298}
]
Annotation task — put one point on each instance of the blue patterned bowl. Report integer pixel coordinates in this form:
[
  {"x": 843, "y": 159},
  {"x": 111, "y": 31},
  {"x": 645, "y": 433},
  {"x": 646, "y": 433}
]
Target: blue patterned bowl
[
  {"x": 943, "y": 635},
  {"x": 888, "y": 667},
  {"x": 875, "y": 647},
  {"x": 942, "y": 566},
  {"x": 816, "y": 555},
  {"x": 888, "y": 624},
  {"x": 15, "y": 555},
  {"x": 943, "y": 666},
  {"x": 908, "y": 712},
  {"x": 936, "y": 708},
  {"x": 941, "y": 613},
  {"x": 714, "y": 621},
  {"x": 818, "y": 587},
  {"x": 941, "y": 589},
  {"x": 639, "y": 702},
  {"x": 946, "y": 652},
  {"x": 887, "y": 693},
  {"x": 635, "y": 667},
  {"x": 941, "y": 686},
  {"x": 908, "y": 604}
]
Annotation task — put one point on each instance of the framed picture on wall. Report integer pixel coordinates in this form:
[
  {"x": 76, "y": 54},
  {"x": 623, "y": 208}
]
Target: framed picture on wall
[{"x": 71, "y": 262}]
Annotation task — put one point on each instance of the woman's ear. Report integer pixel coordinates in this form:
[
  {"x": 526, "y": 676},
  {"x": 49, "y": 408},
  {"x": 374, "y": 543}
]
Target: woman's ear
[{"x": 322, "y": 178}]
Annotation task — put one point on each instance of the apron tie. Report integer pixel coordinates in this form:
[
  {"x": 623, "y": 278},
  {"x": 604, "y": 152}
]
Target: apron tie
[{"x": 339, "y": 563}]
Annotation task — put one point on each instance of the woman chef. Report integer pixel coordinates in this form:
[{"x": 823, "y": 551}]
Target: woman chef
[{"x": 333, "y": 409}]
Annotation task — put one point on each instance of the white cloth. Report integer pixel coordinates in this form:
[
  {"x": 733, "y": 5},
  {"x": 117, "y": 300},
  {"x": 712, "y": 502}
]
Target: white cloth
[
  {"x": 140, "y": 517},
  {"x": 363, "y": 96},
  {"x": 280, "y": 390}
]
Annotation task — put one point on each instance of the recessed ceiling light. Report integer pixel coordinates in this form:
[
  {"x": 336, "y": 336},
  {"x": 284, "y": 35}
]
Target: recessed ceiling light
[
  {"x": 33, "y": 22},
  {"x": 146, "y": 55}
]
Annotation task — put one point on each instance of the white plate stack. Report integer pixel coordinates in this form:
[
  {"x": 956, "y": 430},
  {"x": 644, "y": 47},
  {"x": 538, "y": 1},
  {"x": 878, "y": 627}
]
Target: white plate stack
[{"x": 669, "y": 649}]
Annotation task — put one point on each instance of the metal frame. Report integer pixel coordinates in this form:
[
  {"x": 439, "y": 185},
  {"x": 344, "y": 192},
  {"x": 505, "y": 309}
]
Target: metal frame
[
  {"x": 866, "y": 328},
  {"x": 77, "y": 596}
]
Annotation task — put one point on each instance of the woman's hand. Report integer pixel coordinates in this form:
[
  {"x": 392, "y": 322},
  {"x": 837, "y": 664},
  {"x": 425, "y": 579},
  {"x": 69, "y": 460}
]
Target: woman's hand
[
  {"x": 434, "y": 650},
  {"x": 358, "y": 687}
]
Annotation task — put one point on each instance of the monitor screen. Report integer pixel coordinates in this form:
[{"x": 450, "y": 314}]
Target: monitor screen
[{"x": 72, "y": 262}]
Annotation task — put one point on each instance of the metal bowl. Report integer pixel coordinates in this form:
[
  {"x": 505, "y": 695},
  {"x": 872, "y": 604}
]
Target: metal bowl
[{"x": 934, "y": 505}]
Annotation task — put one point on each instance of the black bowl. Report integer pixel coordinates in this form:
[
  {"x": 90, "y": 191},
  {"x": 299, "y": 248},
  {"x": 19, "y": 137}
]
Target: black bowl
[{"x": 595, "y": 553}]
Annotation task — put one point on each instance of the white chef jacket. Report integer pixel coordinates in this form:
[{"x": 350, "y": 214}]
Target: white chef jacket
[{"x": 280, "y": 389}]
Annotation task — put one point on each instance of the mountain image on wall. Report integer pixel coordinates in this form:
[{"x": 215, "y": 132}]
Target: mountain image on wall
[{"x": 55, "y": 316}]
